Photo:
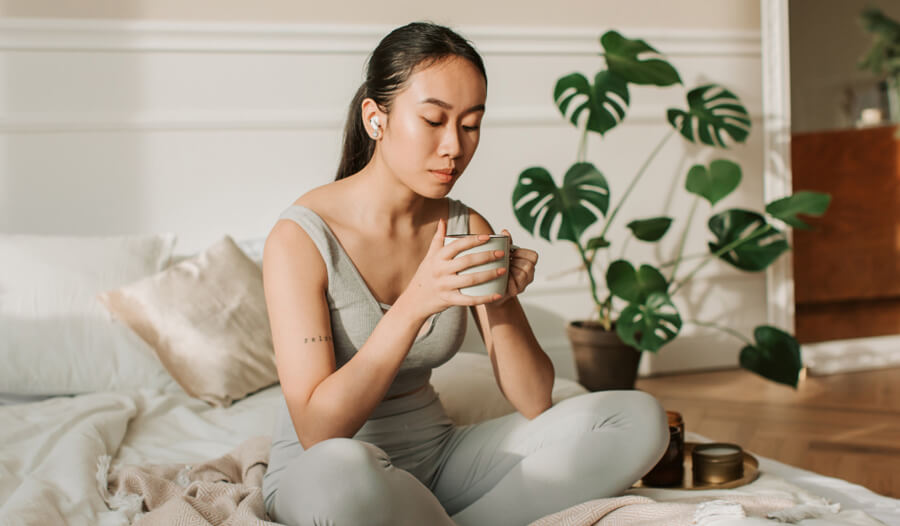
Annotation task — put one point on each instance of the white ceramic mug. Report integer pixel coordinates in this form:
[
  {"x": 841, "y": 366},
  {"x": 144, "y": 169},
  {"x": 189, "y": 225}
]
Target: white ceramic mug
[{"x": 496, "y": 285}]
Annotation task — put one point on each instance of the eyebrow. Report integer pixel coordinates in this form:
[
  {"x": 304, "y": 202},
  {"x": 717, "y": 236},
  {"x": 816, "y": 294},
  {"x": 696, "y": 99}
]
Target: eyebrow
[{"x": 447, "y": 106}]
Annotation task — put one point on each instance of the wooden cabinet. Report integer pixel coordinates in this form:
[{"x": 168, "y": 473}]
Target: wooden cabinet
[{"x": 847, "y": 270}]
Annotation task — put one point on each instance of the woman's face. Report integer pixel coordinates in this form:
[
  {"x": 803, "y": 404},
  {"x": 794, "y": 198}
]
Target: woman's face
[{"x": 435, "y": 125}]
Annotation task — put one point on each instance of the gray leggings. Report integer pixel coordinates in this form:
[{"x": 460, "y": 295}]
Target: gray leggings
[{"x": 505, "y": 471}]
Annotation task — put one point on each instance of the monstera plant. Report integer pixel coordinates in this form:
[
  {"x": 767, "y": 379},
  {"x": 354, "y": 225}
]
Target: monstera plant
[{"x": 635, "y": 301}]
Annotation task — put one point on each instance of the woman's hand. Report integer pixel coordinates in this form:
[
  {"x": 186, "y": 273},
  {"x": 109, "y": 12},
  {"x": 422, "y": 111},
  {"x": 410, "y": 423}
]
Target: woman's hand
[
  {"x": 435, "y": 285},
  {"x": 522, "y": 263}
]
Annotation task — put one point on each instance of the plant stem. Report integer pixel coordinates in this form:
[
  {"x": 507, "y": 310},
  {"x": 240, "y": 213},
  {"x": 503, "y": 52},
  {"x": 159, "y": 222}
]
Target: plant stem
[
  {"x": 723, "y": 329},
  {"x": 684, "y": 258},
  {"x": 608, "y": 311},
  {"x": 719, "y": 252},
  {"x": 634, "y": 181},
  {"x": 582, "y": 145},
  {"x": 589, "y": 273},
  {"x": 625, "y": 244},
  {"x": 687, "y": 225}
]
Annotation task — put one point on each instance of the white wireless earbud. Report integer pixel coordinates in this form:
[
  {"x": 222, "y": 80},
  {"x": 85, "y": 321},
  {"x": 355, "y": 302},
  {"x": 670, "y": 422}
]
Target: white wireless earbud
[{"x": 374, "y": 122}]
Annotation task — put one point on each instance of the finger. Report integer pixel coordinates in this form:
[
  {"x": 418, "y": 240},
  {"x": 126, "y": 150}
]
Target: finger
[
  {"x": 524, "y": 253},
  {"x": 506, "y": 233},
  {"x": 520, "y": 276},
  {"x": 464, "y": 299},
  {"x": 462, "y": 243},
  {"x": 461, "y": 281},
  {"x": 523, "y": 266},
  {"x": 471, "y": 260}
]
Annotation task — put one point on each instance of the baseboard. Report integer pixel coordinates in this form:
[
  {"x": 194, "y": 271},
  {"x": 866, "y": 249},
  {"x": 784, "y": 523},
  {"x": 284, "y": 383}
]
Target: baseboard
[{"x": 858, "y": 354}]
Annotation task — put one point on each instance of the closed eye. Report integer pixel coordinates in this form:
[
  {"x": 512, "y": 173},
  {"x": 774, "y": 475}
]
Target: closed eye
[{"x": 435, "y": 124}]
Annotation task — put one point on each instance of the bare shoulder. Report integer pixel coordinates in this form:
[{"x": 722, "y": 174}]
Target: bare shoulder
[
  {"x": 290, "y": 249},
  {"x": 318, "y": 198},
  {"x": 478, "y": 224}
]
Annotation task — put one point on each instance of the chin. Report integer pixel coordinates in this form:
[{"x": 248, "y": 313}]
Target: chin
[{"x": 435, "y": 193}]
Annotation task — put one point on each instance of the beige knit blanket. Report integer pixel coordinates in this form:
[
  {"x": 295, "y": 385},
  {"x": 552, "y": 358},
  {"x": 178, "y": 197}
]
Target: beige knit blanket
[{"x": 225, "y": 491}]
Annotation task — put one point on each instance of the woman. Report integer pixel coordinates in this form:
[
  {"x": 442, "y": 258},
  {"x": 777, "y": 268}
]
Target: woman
[{"x": 363, "y": 301}]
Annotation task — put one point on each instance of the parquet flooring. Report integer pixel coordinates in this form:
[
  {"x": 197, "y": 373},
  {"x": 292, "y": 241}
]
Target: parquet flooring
[{"x": 845, "y": 426}]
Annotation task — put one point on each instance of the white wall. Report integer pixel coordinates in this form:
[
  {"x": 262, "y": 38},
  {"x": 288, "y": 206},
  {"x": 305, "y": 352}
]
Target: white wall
[
  {"x": 210, "y": 128},
  {"x": 722, "y": 14}
]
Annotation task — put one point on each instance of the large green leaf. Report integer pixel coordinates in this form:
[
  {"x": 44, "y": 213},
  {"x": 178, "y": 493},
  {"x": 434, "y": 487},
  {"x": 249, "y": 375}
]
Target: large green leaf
[
  {"x": 712, "y": 111},
  {"x": 537, "y": 201},
  {"x": 652, "y": 229},
  {"x": 650, "y": 324},
  {"x": 624, "y": 57},
  {"x": 775, "y": 355},
  {"x": 715, "y": 183},
  {"x": 604, "y": 111},
  {"x": 632, "y": 285},
  {"x": 753, "y": 255},
  {"x": 807, "y": 203}
]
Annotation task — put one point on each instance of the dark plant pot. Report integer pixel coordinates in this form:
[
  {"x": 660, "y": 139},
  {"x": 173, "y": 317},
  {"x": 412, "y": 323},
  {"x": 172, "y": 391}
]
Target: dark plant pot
[{"x": 603, "y": 361}]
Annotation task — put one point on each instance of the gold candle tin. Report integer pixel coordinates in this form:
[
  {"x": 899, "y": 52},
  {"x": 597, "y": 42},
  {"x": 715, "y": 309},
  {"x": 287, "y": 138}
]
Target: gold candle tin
[{"x": 717, "y": 463}]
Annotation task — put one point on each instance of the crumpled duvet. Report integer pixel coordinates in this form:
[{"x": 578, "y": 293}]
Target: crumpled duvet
[{"x": 55, "y": 458}]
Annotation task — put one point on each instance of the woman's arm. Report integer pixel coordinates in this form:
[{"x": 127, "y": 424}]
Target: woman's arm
[
  {"x": 523, "y": 370},
  {"x": 325, "y": 402}
]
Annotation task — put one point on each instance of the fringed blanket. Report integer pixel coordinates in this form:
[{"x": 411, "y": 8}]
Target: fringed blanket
[{"x": 222, "y": 492}]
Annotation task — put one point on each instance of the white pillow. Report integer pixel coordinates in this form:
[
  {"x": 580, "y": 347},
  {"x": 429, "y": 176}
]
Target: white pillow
[
  {"x": 470, "y": 394},
  {"x": 253, "y": 247},
  {"x": 55, "y": 336}
]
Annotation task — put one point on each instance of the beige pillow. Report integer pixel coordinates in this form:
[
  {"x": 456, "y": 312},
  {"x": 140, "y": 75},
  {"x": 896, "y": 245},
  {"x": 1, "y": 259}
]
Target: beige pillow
[{"x": 205, "y": 318}]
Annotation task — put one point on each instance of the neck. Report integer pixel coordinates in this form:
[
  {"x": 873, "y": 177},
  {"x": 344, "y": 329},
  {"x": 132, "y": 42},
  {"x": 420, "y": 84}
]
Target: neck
[{"x": 385, "y": 203}]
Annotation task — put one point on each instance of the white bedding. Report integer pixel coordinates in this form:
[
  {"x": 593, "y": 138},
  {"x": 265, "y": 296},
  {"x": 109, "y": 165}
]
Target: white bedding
[{"x": 50, "y": 453}]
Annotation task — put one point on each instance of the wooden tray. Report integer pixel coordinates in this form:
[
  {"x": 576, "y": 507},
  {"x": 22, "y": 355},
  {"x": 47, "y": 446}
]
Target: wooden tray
[{"x": 751, "y": 471}]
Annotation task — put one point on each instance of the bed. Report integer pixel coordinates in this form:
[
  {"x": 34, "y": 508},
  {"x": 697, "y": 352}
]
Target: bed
[{"x": 119, "y": 354}]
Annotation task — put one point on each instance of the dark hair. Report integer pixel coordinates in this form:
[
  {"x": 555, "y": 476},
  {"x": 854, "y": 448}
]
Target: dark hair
[{"x": 396, "y": 57}]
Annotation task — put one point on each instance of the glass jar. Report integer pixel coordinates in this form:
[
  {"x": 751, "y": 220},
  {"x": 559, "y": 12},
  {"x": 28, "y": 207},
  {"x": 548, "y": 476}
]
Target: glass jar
[{"x": 669, "y": 471}]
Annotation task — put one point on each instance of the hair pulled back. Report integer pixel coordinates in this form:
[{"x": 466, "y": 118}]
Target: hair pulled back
[{"x": 396, "y": 57}]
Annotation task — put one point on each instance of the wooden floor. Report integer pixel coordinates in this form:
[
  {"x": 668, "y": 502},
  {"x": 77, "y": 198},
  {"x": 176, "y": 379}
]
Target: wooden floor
[{"x": 845, "y": 425}]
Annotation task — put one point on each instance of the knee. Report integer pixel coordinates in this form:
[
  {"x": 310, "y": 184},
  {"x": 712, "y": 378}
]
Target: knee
[
  {"x": 639, "y": 415},
  {"x": 336, "y": 481},
  {"x": 350, "y": 467},
  {"x": 649, "y": 422},
  {"x": 651, "y": 417}
]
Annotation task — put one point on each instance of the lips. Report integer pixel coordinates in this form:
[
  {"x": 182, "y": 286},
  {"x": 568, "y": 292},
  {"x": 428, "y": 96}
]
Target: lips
[{"x": 444, "y": 176}]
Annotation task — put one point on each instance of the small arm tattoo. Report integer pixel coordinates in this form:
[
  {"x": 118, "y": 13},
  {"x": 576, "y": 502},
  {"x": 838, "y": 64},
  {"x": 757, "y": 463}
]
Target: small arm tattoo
[{"x": 317, "y": 339}]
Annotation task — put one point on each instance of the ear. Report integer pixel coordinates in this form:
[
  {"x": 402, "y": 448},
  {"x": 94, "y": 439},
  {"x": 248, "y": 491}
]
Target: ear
[{"x": 370, "y": 109}]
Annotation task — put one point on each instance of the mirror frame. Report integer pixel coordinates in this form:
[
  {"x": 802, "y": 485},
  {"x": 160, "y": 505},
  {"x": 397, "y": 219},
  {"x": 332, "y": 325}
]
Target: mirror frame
[{"x": 777, "y": 177}]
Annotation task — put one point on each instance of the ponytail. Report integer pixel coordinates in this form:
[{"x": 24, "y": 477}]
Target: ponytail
[{"x": 358, "y": 146}]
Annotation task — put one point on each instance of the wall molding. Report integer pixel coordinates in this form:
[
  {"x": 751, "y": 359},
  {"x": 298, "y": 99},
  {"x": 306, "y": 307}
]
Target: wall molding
[
  {"x": 75, "y": 35},
  {"x": 306, "y": 119},
  {"x": 129, "y": 36}
]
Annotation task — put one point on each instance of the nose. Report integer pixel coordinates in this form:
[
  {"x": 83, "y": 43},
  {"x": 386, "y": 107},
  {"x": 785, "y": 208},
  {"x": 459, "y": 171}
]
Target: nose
[{"x": 450, "y": 142}]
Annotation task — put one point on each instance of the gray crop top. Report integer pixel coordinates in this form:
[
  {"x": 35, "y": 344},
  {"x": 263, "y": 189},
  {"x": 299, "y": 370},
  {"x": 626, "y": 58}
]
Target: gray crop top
[{"x": 354, "y": 314}]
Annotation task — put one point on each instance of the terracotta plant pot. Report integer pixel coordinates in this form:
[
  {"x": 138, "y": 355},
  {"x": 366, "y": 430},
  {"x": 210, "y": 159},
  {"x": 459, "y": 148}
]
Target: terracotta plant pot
[{"x": 602, "y": 360}]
